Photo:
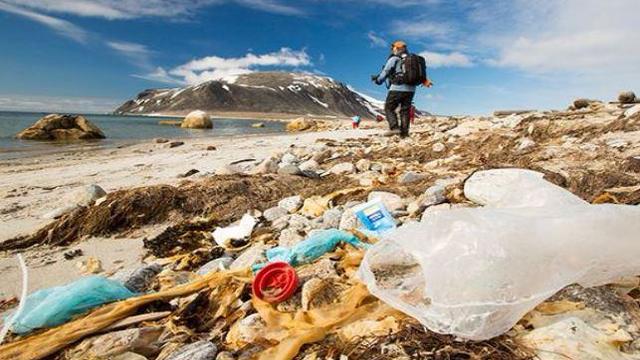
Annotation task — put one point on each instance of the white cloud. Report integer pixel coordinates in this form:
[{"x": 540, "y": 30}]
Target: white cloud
[
  {"x": 376, "y": 40},
  {"x": 453, "y": 59},
  {"x": 129, "y": 9},
  {"x": 574, "y": 35},
  {"x": 216, "y": 67},
  {"x": 60, "y": 26},
  {"x": 421, "y": 29},
  {"x": 137, "y": 54}
]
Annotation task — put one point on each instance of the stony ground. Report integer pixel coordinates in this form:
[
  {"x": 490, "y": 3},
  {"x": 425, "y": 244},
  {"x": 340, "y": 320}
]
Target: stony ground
[{"x": 297, "y": 191}]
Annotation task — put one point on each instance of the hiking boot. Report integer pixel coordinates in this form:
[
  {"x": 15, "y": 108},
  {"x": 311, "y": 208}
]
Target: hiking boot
[{"x": 391, "y": 132}]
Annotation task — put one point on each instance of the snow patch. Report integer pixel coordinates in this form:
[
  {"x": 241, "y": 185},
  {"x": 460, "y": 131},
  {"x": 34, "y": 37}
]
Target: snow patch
[
  {"x": 226, "y": 87},
  {"x": 318, "y": 101},
  {"x": 177, "y": 93}
]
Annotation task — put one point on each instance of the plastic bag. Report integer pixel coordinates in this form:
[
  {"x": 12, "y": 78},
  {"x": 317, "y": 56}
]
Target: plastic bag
[
  {"x": 312, "y": 248},
  {"x": 474, "y": 272},
  {"x": 223, "y": 236},
  {"x": 54, "y": 306}
]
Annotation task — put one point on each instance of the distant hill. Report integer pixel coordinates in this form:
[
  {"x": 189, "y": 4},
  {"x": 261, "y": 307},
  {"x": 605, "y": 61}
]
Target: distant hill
[{"x": 259, "y": 92}]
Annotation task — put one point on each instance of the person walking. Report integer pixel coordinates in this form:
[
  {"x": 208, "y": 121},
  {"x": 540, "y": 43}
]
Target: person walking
[{"x": 402, "y": 73}]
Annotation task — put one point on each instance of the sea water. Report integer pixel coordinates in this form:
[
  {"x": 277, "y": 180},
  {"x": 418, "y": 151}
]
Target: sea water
[{"x": 118, "y": 130}]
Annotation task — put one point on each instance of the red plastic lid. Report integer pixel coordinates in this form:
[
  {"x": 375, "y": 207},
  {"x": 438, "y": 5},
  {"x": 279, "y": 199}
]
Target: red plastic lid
[{"x": 275, "y": 283}]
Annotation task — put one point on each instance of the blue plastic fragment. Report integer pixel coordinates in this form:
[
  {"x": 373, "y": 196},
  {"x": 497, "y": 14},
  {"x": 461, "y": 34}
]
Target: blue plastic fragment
[
  {"x": 375, "y": 218},
  {"x": 57, "y": 305},
  {"x": 312, "y": 248}
]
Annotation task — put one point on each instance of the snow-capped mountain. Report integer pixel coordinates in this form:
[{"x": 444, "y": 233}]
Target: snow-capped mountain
[{"x": 259, "y": 92}]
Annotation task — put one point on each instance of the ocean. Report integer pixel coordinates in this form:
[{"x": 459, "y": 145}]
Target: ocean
[{"x": 118, "y": 130}]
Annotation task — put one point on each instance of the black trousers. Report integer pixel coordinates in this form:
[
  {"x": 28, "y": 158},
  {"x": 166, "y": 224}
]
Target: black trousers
[{"x": 394, "y": 100}]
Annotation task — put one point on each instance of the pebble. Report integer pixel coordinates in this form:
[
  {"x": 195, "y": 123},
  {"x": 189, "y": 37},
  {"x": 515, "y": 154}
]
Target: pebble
[
  {"x": 410, "y": 177},
  {"x": 438, "y": 147},
  {"x": 343, "y": 168},
  {"x": 289, "y": 237},
  {"x": 331, "y": 218},
  {"x": 363, "y": 165},
  {"x": 266, "y": 166},
  {"x": 348, "y": 220},
  {"x": 299, "y": 222},
  {"x": 391, "y": 201},
  {"x": 141, "y": 278},
  {"x": 309, "y": 165},
  {"x": 289, "y": 170},
  {"x": 174, "y": 144},
  {"x": 201, "y": 350},
  {"x": 291, "y": 204},
  {"x": 274, "y": 213},
  {"x": 288, "y": 159}
]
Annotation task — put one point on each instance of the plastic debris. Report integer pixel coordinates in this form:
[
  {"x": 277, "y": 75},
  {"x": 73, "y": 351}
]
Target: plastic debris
[
  {"x": 312, "y": 248},
  {"x": 275, "y": 283},
  {"x": 375, "y": 217},
  {"x": 223, "y": 236},
  {"x": 54, "y": 306},
  {"x": 474, "y": 272}
]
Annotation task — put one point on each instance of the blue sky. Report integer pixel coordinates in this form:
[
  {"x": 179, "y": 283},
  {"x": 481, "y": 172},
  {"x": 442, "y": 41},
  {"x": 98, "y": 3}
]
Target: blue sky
[{"x": 91, "y": 55}]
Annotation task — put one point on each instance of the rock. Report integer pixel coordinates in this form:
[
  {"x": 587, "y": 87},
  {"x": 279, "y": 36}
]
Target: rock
[
  {"x": 91, "y": 265},
  {"x": 174, "y": 144},
  {"x": 289, "y": 170},
  {"x": 368, "y": 178},
  {"x": 291, "y": 204},
  {"x": 348, "y": 220},
  {"x": 140, "y": 279},
  {"x": 225, "y": 355},
  {"x": 632, "y": 111},
  {"x": 280, "y": 223},
  {"x": 363, "y": 165},
  {"x": 188, "y": 173},
  {"x": 89, "y": 194},
  {"x": 342, "y": 169},
  {"x": 526, "y": 144},
  {"x": 309, "y": 165},
  {"x": 143, "y": 341},
  {"x": 300, "y": 124},
  {"x": 267, "y": 166},
  {"x": 289, "y": 237},
  {"x": 434, "y": 195},
  {"x": 252, "y": 255},
  {"x": 388, "y": 169},
  {"x": 288, "y": 159},
  {"x": 617, "y": 143},
  {"x": 61, "y": 127},
  {"x": 627, "y": 97},
  {"x": 438, "y": 147},
  {"x": 309, "y": 291},
  {"x": 128, "y": 356},
  {"x": 583, "y": 103},
  {"x": 258, "y": 125},
  {"x": 434, "y": 209},
  {"x": 377, "y": 167},
  {"x": 161, "y": 140},
  {"x": 211, "y": 148},
  {"x": 299, "y": 222},
  {"x": 219, "y": 264},
  {"x": 274, "y": 213},
  {"x": 391, "y": 201},
  {"x": 197, "y": 120},
  {"x": 331, "y": 218},
  {"x": 410, "y": 177},
  {"x": 228, "y": 169},
  {"x": 324, "y": 268},
  {"x": 70, "y": 255},
  {"x": 321, "y": 156},
  {"x": 247, "y": 330},
  {"x": 201, "y": 350}
]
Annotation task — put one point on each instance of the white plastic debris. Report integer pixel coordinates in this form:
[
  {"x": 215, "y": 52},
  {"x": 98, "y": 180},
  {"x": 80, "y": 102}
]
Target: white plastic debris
[
  {"x": 474, "y": 272},
  {"x": 223, "y": 236}
]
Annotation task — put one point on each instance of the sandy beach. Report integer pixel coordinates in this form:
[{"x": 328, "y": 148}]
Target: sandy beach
[{"x": 34, "y": 187}]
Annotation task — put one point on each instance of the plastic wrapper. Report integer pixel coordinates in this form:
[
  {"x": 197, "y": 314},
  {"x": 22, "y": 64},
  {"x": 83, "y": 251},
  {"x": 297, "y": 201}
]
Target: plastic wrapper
[
  {"x": 374, "y": 217},
  {"x": 474, "y": 272},
  {"x": 54, "y": 306}
]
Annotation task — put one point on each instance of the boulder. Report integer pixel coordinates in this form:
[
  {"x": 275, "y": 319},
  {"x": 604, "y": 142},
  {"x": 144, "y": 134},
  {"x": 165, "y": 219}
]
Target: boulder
[
  {"x": 61, "y": 127},
  {"x": 197, "y": 120},
  {"x": 300, "y": 124},
  {"x": 627, "y": 97}
]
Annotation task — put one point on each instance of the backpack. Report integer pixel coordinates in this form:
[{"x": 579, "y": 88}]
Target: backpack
[{"x": 414, "y": 70}]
